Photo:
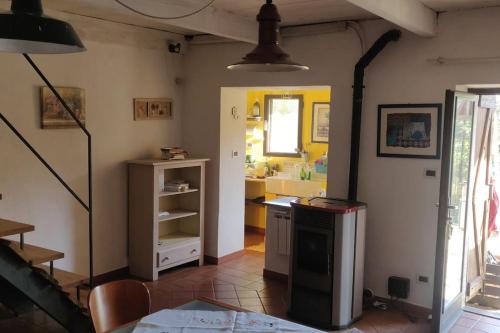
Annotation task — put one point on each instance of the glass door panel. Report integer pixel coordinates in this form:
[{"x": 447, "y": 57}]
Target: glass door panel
[
  {"x": 459, "y": 187},
  {"x": 452, "y": 215}
]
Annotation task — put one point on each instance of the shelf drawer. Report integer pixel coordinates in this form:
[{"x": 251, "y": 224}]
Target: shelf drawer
[{"x": 170, "y": 256}]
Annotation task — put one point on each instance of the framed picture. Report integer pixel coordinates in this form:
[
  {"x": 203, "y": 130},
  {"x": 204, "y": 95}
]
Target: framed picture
[
  {"x": 409, "y": 130},
  {"x": 160, "y": 109},
  {"x": 152, "y": 108},
  {"x": 140, "y": 109},
  {"x": 320, "y": 123},
  {"x": 53, "y": 114}
]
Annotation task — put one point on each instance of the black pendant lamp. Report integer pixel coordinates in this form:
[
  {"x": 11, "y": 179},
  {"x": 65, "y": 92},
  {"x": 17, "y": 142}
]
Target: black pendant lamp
[
  {"x": 25, "y": 29},
  {"x": 268, "y": 56}
]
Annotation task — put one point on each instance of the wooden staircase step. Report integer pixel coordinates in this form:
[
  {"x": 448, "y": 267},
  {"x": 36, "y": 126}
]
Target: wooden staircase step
[
  {"x": 9, "y": 228},
  {"x": 493, "y": 269},
  {"x": 64, "y": 278},
  {"x": 492, "y": 290},
  {"x": 492, "y": 279},
  {"x": 486, "y": 300},
  {"x": 34, "y": 255}
]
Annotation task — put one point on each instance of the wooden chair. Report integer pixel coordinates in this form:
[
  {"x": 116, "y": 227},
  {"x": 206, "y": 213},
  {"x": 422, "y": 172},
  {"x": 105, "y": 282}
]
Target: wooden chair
[{"x": 116, "y": 303}]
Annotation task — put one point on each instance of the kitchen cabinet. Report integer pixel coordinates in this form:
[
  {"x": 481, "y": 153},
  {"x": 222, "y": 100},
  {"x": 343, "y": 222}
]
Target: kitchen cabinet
[
  {"x": 255, "y": 211},
  {"x": 278, "y": 232}
]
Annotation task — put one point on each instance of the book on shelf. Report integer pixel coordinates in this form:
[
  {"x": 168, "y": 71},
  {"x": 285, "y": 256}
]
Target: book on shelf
[
  {"x": 178, "y": 156},
  {"x": 175, "y": 153},
  {"x": 176, "y": 186}
]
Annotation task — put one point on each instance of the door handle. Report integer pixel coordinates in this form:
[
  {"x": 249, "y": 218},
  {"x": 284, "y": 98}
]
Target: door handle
[
  {"x": 449, "y": 206},
  {"x": 329, "y": 263}
]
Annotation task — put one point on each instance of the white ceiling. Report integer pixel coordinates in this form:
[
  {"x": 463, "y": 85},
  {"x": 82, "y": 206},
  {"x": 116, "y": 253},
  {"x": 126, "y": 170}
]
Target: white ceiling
[
  {"x": 236, "y": 18},
  {"x": 449, "y": 5},
  {"x": 114, "y": 12},
  {"x": 313, "y": 11},
  {"x": 299, "y": 11}
]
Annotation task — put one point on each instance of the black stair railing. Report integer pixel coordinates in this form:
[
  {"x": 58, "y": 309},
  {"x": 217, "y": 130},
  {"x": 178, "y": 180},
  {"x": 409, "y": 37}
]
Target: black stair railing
[{"x": 86, "y": 206}]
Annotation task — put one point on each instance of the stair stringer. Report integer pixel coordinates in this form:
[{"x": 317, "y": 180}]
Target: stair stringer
[{"x": 43, "y": 292}]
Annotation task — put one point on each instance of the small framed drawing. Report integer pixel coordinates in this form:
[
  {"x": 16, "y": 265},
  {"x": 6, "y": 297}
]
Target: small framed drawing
[
  {"x": 320, "y": 123},
  {"x": 140, "y": 109},
  {"x": 53, "y": 114},
  {"x": 409, "y": 131},
  {"x": 160, "y": 109},
  {"x": 152, "y": 108}
]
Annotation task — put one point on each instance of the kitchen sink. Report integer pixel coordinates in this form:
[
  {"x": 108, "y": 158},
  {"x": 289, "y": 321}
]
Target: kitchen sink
[{"x": 294, "y": 187}]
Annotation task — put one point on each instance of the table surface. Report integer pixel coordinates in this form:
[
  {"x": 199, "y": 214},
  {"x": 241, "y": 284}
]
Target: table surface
[{"x": 203, "y": 304}]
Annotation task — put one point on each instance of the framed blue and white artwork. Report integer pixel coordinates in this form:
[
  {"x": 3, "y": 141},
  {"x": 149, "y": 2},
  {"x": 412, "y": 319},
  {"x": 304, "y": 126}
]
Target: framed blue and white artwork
[{"x": 409, "y": 130}]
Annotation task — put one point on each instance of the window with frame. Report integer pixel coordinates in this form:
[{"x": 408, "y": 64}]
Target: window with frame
[{"x": 283, "y": 126}]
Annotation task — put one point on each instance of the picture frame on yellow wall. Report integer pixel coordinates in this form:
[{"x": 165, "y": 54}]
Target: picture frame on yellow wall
[{"x": 320, "y": 122}]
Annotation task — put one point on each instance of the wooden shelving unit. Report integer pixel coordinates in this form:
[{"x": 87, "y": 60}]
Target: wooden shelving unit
[
  {"x": 175, "y": 239},
  {"x": 176, "y": 214},
  {"x": 158, "y": 242},
  {"x": 167, "y": 193}
]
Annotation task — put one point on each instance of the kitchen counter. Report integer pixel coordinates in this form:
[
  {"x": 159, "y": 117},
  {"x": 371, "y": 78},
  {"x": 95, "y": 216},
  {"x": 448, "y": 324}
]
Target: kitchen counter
[
  {"x": 337, "y": 206},
  {"x": 256, "y": 180},
  {"x": 281, "y": 202},
  {"x": 285, "y": 186}
]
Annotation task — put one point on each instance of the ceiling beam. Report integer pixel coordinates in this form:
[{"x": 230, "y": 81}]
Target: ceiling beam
[
  {"x": 209, "y": 21},
  {"x": 411, "y": 15}
]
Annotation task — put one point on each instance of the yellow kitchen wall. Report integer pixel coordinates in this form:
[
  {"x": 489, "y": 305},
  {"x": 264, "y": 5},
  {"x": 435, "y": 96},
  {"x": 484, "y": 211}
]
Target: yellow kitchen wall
[{"x": 310, "y": 96}]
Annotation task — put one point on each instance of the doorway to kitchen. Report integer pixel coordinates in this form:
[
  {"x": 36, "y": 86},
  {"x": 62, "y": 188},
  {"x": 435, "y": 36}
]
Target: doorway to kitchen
[
  {"x": 273, "y": 146},
  {"x": 286, "y": 151}
]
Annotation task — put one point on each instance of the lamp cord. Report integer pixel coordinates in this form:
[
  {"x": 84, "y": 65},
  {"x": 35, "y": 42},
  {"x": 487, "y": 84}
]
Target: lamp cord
[{"x": 164, "y": 17}]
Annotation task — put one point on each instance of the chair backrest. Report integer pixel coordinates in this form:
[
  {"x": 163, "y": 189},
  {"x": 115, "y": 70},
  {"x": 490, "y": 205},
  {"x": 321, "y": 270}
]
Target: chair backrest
[{"x": 117, "y": 303}]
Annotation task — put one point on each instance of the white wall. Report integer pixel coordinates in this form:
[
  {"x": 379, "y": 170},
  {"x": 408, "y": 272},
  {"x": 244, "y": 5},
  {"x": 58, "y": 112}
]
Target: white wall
[
  {"x": 402, "y": 216},
  {"x": 206, "y": 74},
  {"x": 231, "y": 226},
  {"x": 122, "y": 62}
]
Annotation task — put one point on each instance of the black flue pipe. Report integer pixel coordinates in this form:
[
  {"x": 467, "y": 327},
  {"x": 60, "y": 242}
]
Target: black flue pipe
[{"x": 357, "y": 105}]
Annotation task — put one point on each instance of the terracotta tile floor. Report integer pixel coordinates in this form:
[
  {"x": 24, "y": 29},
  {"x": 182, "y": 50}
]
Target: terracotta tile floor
[
  {"x": 474, "y": 323},
  {"x": 239, "y": 282},
  {"x": 254, "y": 241}
]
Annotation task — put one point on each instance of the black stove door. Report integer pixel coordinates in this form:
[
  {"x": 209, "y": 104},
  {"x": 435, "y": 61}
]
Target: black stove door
[{"x": 313, "y": 257}]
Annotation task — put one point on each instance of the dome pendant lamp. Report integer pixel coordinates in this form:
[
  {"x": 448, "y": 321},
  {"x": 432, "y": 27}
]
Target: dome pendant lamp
[
  {"x": 25, "y": 29},
  {"x": 268, "y": 56}
]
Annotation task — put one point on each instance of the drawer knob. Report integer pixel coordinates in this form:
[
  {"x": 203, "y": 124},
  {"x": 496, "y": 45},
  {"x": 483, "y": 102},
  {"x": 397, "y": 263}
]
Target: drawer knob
[
  {"x": 165, "y": 259},
  {"x": 193, "y": 251}
]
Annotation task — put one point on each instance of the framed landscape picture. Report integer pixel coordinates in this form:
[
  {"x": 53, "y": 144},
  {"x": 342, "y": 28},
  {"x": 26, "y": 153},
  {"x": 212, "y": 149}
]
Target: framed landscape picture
[
  {"x": 53, "y": 114},
  {"x": 409, "y": 130},
  {"x": 320, "y": 122}
]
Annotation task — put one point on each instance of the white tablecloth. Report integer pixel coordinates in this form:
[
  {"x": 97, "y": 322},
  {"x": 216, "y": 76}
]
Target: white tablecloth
[{"x": 195, "y": 321}]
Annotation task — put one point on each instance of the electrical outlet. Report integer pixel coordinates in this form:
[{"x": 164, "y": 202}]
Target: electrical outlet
[
  {"x": 422, "y": 279},
  {"x": 430, "y": 173},
  {"x": 234, "y": 153}
]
